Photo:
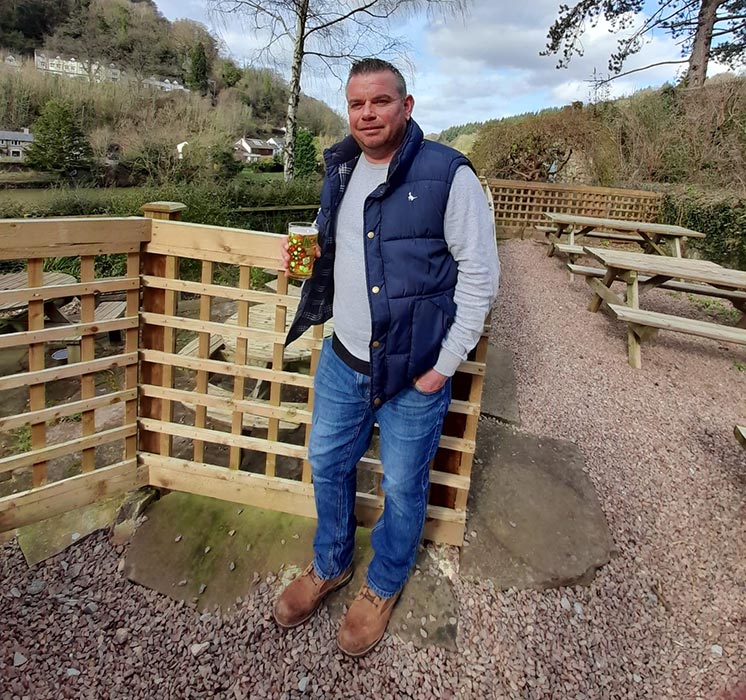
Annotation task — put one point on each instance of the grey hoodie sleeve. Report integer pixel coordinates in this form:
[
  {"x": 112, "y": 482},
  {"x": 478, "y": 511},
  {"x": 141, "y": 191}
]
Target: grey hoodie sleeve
[{"x": 470, "y": 235}]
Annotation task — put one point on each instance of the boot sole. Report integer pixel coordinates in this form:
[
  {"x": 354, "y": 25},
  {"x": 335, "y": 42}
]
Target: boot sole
[
  {"x": 358, "y": 654},
  {"x": 341, "y": 584}
]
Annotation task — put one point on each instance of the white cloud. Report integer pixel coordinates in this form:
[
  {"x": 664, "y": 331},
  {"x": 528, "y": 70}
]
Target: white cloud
[{"x": 494, "y": 57}]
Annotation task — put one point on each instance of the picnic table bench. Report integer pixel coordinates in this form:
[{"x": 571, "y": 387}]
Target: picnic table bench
[
  {"x": 643, "y": 272},
  {"x": 650, "y": 236},
  {"x": 708, "y": 290},
  {"x": 13, "y": 285}
]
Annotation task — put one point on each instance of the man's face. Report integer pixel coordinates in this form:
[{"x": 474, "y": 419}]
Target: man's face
[{"x": 378, "y": 114}]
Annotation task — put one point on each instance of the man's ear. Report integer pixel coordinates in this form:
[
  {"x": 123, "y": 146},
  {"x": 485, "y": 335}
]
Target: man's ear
[{"x": 408, "y": 106}]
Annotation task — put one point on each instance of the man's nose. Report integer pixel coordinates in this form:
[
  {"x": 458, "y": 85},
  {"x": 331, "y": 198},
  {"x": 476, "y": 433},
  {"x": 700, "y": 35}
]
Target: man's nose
[{"x": 368, "y": 112}]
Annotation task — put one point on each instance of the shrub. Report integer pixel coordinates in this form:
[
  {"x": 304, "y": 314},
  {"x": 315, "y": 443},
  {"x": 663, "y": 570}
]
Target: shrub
[
  {"x": 722, "y": 220},
  {"x": 306, "y": 161},
  {"x": 59, "y": 146}
]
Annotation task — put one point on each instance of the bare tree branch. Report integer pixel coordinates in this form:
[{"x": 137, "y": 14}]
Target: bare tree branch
[{"x": 603, "y": 81}]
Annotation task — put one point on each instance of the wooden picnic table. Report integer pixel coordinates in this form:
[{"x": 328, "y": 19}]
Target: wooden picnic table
[
  {"x": 18, "y": 281},
  {"x": 648, "y": 235},
  {"x": 643, "y": 272}
]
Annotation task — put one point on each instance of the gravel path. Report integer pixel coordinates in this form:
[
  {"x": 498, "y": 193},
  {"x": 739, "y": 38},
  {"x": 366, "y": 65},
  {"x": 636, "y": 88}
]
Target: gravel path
[{"x": 665, "y": 619}]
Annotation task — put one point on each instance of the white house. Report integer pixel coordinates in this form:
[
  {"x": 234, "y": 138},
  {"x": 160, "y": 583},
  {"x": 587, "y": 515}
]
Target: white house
[
  {"x": 251, "y": 150},
  {"x": 71, "y": 67},
  {"x": 13, "y": 145},
  {"x": 165, "y": 84},
  {"x": 278, "y": 143}
]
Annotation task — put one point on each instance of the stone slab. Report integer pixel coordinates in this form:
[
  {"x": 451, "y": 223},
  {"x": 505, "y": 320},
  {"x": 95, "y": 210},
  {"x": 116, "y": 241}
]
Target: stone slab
[
  {"x": 500, "y": 395},
  {"x": 535, "y": 512},
  {"x": 264, "y": 542},
  {"x": 189, "y": 541},
  {"x": 49, "y": 537}
]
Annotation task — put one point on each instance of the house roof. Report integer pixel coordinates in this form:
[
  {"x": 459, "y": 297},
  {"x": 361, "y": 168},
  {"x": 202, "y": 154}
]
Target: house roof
[{"x": 16, "y": 136}]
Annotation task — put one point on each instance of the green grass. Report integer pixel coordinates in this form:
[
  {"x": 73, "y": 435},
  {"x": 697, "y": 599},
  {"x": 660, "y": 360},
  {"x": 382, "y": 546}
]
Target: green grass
[
  {"x": 740, "y": 366},
  {"x": 715, "y": 307},
  {"x": 248, "y": 176},
  {"x": 26, "y": 177},
  {"x": 74, "y": 418},
  {"x": 21, "y": 439}
]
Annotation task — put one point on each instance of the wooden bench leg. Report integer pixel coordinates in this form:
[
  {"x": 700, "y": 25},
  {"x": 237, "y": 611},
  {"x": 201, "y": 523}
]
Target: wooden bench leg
[
  {"x": 609, "y": 277},
  {"x": 633, "y": 348},
  {"x": 73, "y": 353},
  {"x": 551, "y": 240},
  {"x": 677, "y": 247}
]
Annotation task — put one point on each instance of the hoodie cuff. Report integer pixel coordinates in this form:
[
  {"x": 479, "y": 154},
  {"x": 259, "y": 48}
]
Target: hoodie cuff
[{"x": 448, "y": 362}]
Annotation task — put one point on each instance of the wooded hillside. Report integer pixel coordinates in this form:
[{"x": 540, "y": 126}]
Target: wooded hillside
[{"x": 135, "y": 36}]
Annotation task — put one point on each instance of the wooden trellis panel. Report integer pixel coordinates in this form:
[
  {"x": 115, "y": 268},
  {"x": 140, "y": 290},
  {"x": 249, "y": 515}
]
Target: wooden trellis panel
[
  {"x": 224, "y": 408},
  {"x": 229, "y": 416},
  {"x": 76, "y": 439},
  {"x": 520, "y": 205}
]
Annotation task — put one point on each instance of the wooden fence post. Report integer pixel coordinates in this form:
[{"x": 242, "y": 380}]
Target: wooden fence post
[{"x": 154, "y": 337}]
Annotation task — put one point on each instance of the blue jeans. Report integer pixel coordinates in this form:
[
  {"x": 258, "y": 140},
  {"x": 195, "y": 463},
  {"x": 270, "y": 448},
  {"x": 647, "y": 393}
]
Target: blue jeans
[{"x": 409, "y": 425}]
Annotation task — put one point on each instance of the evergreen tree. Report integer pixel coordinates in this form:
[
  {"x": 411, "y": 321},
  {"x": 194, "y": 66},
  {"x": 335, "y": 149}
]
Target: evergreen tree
[
  {"x": 59, "y": 146},
  {"x": 198, "y": 69},
  {"x": 305, "y": 154},
  {"x": 230, "y": 74}
]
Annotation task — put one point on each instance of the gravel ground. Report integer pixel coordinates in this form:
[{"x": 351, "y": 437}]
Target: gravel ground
[{"x": 665, "y": 619}]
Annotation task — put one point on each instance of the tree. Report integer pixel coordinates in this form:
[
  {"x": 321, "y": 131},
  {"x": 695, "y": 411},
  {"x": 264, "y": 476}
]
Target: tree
[
  {"x": 84, "y": 35},
  {"x": 330, "y": 32},
  {"x": 134, "y": 35},
  {"x": 695, "y": 24},
  {"x": 198, "y": 69},
  {"x": 184, "y": 35},
  {"x": 305, "y": 154},
  {"x": 25, "y": 23},
  {"x": 228, "y": 72},
  {"x": 59, "y": 146}
]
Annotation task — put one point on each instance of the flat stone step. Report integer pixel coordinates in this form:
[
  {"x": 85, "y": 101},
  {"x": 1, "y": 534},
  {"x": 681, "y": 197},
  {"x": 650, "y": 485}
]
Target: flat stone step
[{"x": 535, "y": 512}]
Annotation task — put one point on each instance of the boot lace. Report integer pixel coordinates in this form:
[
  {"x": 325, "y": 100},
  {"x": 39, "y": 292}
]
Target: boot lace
[{"x": 367, "y": 594}]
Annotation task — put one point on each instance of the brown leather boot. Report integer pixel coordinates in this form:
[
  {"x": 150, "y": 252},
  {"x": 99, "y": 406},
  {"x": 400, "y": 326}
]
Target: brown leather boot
[
  {"x": 304, "y": 595},
  {"x": 365, "y": 622}
]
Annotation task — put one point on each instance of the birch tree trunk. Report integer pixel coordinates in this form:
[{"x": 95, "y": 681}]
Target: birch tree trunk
[{"x": 291, "y": 124}]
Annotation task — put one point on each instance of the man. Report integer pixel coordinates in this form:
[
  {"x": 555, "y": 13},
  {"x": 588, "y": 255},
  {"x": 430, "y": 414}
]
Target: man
[{"x": 408, "y": 266}]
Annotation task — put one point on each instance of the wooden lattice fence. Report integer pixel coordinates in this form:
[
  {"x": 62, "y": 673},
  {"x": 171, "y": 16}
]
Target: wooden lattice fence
[
  {"x": 519, "y": 206},
  {"x": 224, "y": 408},
  {"x": 65, "y": 452}
]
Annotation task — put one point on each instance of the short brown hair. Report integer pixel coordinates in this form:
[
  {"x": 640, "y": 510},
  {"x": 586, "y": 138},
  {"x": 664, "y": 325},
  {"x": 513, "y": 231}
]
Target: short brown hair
[{"x": 366, "y": 66}]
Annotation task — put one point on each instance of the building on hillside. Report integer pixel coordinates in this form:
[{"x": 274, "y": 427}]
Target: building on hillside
[
  {"x": 278, "y": 142},
  {"x": 165, "y": 84},
  {"x": 251, "y": 150},
  {"x": 71, "y": 67},
  {"x": 13, "y": 145}
]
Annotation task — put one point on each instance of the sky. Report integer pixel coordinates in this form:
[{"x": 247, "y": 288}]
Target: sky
[{"x": 484, "y": 66}]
